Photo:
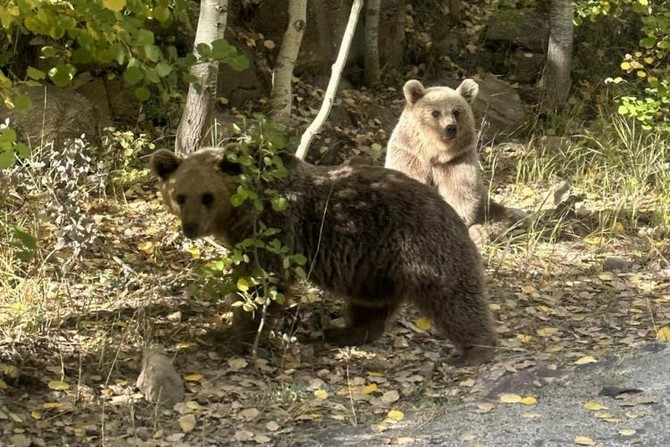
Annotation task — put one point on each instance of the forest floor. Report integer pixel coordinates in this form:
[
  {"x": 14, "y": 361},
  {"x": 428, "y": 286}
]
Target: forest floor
[{"x": 74, "y": 327}]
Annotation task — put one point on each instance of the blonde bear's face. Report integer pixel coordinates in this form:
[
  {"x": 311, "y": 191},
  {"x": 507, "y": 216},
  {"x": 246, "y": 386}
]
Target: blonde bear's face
[
  {"x": 197, "y": 188},
  {"x": 444, "y": 110}
]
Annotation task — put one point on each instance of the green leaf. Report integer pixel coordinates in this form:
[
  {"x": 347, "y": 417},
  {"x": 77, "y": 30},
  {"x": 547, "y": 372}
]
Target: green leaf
[
  {"x": 48, "y": 51},
  {"x": 221, "y": 49},
  {"x": 7, "y": 157},
  {"x": 163, "y": 69},
  {"x": 22, "y": 103},
  {"x": 238, "y": 63},
  {"x": 279, "y": 203},
  {"x": 133, "y": 75},
  {"x": 21, "y": 150},
  {"x": 62, "y": 74},
  {"x": 114, "y": 5},
  {"x": 28, "y": 240},
  {"x": 243, "y": 285},
  {"x": 161, "y": 13},
  {"x": 142, "y": 93},
  {"x": 648, "y": 42},
  {"x": 7, "y": 136},
  {"x": 203, "y": 50},
  {"x": 36, "y": 74},
  {"x": 153, "y": 53},
  {"x": 152, "y": 76}
]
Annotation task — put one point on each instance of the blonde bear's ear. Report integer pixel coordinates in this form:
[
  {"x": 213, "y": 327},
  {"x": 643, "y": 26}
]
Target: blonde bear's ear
[
  {"x": 164, "y": 163},
  {"x": 414, "y": 91},
  {"x": 468, "y": 90}
]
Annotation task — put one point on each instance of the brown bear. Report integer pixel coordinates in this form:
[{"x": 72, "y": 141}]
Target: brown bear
[
  {"x": 372, "y": 236},
  {"x": 434, "y": 142}
]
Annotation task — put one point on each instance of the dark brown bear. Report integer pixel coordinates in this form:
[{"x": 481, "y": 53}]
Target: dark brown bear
[{"x": 372, "y": 236}]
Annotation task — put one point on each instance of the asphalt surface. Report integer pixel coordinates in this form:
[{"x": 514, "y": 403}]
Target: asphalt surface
[{"x": 634, "y": 388}]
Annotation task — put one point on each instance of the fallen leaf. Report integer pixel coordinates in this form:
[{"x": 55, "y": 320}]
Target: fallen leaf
[
  {"x": 529, "y": 400},
  {"x": 627, "y": 432},
  {"x": 423, "y": 323},
  {"x": 237, "y": 363},
  {"x": 187, "y": 422},
  {"x": 485, "y": 407},
  {"x": 194, "y": 377},
  {"x": 509, "y": 398},
  {"x": 594, "y": 406},
  {"x": 369, "y": 389},
  {"x": 524, "y": 338},
  {"x": 321, "y": 394},
  {"x": 272, "y": 426},
  {"x": 546, "y": 331},
  {"x": 58, "y": 385},
  {"x": 663, "y": 334},
  {"x": 586, "y": 359},
  {"x": 395, "y": 415},
  {"x": 3, "y": 385},
  {"x": 250, "y": 413},
  {"x": 584, "y": 440},
  {"x": 530, "y": 415},
  {"x": 390, "y": 397}
]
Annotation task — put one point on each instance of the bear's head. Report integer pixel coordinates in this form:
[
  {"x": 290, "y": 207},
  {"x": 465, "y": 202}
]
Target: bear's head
[
  {"x": 445, "y": 111},
  {"x": 197, "y": 188}
]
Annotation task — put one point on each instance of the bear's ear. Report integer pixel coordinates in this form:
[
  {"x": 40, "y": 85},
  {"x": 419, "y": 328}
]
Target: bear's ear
[
  {"x": 468, "y": 90},
  {"x": 229, "y": 167},
  {"x": 164, "y": 163},
  {"x": 414, "y": 91}
]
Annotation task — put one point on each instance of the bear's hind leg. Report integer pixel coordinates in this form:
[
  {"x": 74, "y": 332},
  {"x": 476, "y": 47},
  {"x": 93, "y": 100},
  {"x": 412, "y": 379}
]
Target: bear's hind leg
[{"x": 366, "y": 324}]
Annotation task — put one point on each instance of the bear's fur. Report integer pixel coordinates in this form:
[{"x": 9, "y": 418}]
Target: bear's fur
[
  {"x": 372, "y": 236},
  {"x": 434, "y": 142}
]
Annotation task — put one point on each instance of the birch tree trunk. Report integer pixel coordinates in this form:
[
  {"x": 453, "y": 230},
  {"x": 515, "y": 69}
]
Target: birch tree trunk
[
  {"x": 282, "y": 95},
  {"x": 555, "y": 81},
  {"x": 334, "y": 81},
  {"x": 372, "y": 42},
  {"x": 196, "y": 118}
]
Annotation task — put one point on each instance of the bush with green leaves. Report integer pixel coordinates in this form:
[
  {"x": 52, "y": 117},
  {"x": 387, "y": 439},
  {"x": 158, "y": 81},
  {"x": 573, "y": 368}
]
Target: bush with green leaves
[
  {"x": 644, "y": 90},
  {"x": 112, "y": 34},
  {"x": 257, "y": 148}
]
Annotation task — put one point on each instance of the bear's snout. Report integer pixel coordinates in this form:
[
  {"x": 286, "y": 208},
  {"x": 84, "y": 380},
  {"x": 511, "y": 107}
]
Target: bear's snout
[
  {"x": 450, "y": 131},
  {"x": 190, "y": 230}
]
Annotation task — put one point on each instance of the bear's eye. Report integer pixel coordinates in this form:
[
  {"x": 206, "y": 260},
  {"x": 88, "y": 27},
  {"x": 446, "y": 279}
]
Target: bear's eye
[
  {"x": 181, "y": 199},
  {"x": 436, "y": 114},
  {"x": 207, "y": 199},
  {"x": 456, "y": 112}
]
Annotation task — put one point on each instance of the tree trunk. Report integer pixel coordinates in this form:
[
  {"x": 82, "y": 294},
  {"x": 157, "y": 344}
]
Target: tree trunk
[
  {"x": 372, "y": 42},
  {"x": 555, "y": 81},
  {"x": 197, "y": 116},
  {"x": 282, "y": 95},
  {"x": 334, "y": 81}
]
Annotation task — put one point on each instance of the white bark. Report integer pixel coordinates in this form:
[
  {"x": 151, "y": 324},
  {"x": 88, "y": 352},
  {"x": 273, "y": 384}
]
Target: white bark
[
  {"x": 196, "y": 117},
  {"x": 337, "y": 68},
  {"x": 372, "y": 42},
  {"x": 282, "y": 95},
  {"x": 555, "y": 81}
]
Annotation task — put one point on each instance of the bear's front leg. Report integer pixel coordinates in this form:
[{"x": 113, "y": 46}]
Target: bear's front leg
[{"x": 366, "y": 324}]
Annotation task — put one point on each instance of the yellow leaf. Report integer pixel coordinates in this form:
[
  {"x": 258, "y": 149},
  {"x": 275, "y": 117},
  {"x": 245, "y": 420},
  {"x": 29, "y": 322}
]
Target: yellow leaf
[
  {"x": 36, "y": 414},
  {"x": 194, "y": 252},
  {"x": 10, "y": 371},
  {"x": 594, "y": 240},
  {"x": 584, "y": 440},
  {"x": 625, "y": 66},
  {"x": 58, "y": 385},
  {"x": 529, "y": 400},
  {"x": 114, "y": 5},
  {"x": 187, "y": 422},
  {"x": 523, "y": 338},
  {"x": 663, "y": 334},
  {"x": 395, "y": 415},
  {"x": 594, "y": 406},
  {"x": 194, "y": 377},
  {"x": 321, "y": 394},
  {"x": 586, "y": 359},
  {"x": 147, "y": 247},
  {"x": 509, "y": 398},
  {"x": 3, "y": 385},
  {"x": 423, "y": 323},
  {"x": 375, "y": 374},
  {"x": 369, "y": 389},
  {"x": 546, "y": 331},
  {"x": 606, "y": 276},
  {"x": 192, "y": 405},
  {"x": 627, "y": 432},
  {"x": 554, "y": 348}
]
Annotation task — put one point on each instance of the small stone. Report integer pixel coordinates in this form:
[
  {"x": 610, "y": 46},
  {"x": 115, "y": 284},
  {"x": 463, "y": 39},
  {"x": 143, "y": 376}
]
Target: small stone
[
  {"x": 159, "y": 381},
  {"x": 616, "y": 263}
]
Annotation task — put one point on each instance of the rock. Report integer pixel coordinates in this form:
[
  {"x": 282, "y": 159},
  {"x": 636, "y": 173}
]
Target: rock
[
  {"x": 519, "y": 27},
  {"x": 616, "y": 263},
  {"x": 158, "y": 380},
  {"x": 498, "y": 108},
  {"x": 57, "y": 115}
]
